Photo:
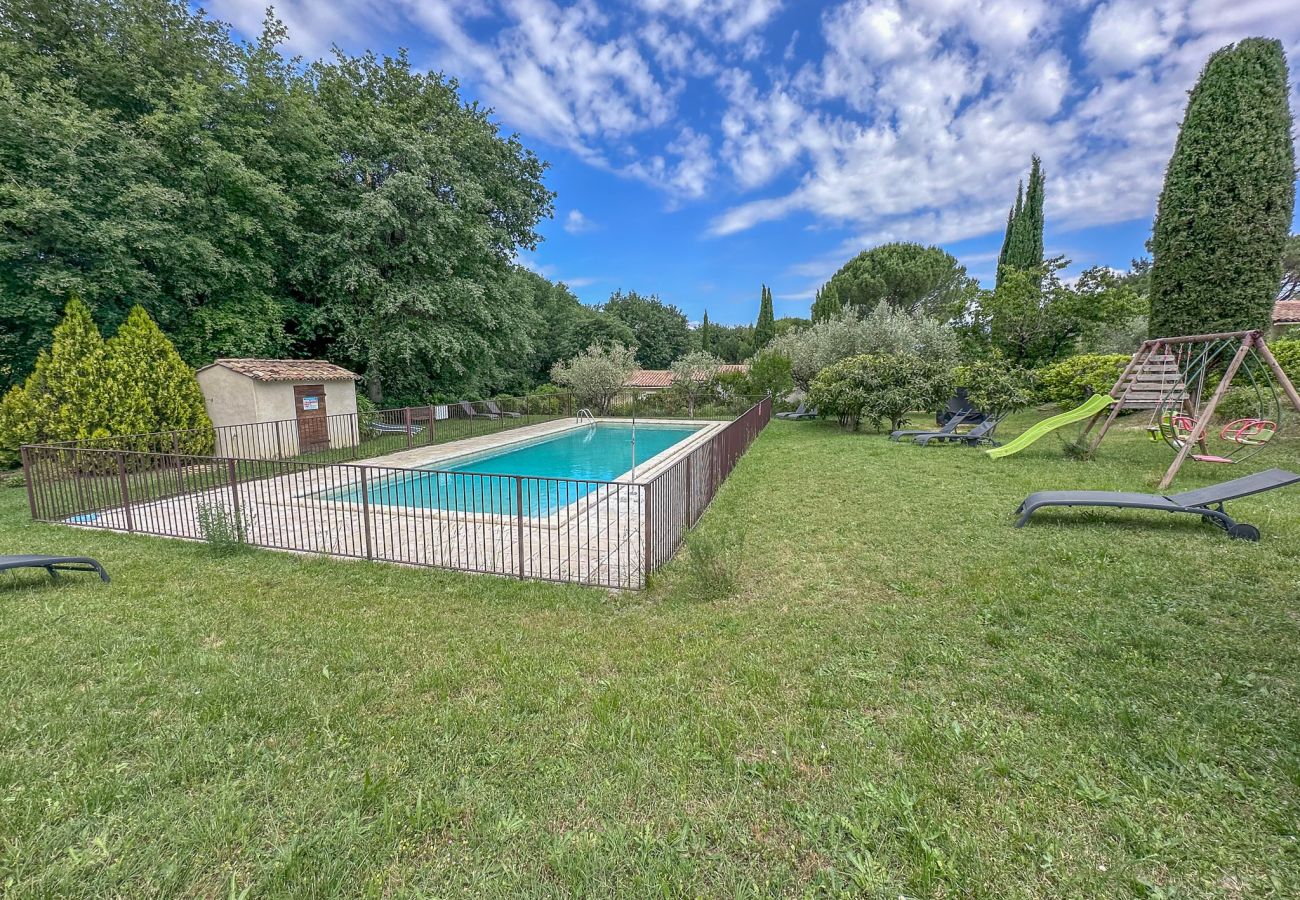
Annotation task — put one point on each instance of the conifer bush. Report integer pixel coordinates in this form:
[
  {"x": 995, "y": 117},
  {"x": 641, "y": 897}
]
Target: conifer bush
[
  {"x": 84, "y": 389},
  {"x": 1225, "y": 210},
  {"x": 150, "y": 389}
]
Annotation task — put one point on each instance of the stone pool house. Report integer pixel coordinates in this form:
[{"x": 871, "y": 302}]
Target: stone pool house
[{"x": 304, "y": 404}]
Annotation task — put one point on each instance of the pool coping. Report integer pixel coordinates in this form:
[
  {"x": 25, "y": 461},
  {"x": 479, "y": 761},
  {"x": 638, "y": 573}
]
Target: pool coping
[{"x": 558, "y": 518}]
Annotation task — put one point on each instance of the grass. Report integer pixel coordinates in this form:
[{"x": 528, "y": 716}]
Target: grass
[{"x": 899, "y": 695}]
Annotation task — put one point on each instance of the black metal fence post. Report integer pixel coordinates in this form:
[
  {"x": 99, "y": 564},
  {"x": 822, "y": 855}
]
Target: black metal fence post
[
  {"x": 29, "y": 476},
  {"x": 234, "y": 494},
  {"x": 365, "y": 512},
  {"x": 124, "y": 491},
  {"x": 519, "y": 521}
]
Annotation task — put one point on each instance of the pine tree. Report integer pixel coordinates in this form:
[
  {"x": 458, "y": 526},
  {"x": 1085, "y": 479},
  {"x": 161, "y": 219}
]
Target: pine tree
[
  {"x": 765, "y": 328},
  {"x": 63, "y": 397},
  {"x": 150, "y": 389},
  {"x": 706, "y": 334},
  {"x": 1228, "y": 197}
]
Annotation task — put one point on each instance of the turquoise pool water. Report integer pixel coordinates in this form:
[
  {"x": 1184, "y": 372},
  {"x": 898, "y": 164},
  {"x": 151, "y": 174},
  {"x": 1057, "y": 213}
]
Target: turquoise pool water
[{"x": 475, "y": 483}]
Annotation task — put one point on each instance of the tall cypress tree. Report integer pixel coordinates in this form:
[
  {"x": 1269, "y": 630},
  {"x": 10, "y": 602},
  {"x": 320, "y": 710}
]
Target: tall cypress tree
[
  {"x": 1022, "y": 244},
  {"x": 1228, "y": 197},
  {"x": 1013, "y": 215},
  {"x": 706, "y": 334},
  {"x": 765, "y": 328}
]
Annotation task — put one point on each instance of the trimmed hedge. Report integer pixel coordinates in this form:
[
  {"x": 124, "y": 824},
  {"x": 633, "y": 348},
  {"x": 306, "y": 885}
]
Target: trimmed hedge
[{"x": 1072, "y": 381}]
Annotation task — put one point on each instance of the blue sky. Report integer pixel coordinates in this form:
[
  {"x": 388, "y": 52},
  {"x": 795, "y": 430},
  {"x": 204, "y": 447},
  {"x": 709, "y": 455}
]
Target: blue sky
[{"x": 700, "y": 148}]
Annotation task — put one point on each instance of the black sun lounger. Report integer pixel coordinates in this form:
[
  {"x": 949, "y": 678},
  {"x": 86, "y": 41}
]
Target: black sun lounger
[
  {"x": 54, "y": 564},
  {"x": 948, "y": 428},
  {"x": 1206, "y": 502},
  {"x": 980, "y": 434}
]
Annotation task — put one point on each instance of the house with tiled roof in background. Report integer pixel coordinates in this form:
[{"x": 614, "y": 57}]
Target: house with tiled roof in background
[
  {"x": 1286, "y": 315},
  {"x": 648, "y": 381}
]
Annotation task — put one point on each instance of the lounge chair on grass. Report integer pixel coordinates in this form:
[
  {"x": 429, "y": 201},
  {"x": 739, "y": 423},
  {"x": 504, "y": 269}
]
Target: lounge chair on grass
[
  {"x": 386, "y": 428},
  {"x": 54, "y": 564},
  {"x": 496, "y": 410},
  {"x": 1206, "y": 502},
  {"x": 948, "y": 428},
  {"x": 803, "y": 412},
  {"x": 472, "y": 413},
  {"x": 980, "y": 434}
]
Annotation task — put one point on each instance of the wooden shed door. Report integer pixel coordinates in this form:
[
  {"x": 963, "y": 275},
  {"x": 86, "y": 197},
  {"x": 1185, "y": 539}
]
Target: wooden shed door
[{"x": 313, "y": 428}]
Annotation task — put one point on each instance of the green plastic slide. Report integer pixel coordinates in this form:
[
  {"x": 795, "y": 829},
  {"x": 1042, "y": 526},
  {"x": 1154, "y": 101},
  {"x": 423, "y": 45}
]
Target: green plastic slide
[{"x": 1096, "y": 403}]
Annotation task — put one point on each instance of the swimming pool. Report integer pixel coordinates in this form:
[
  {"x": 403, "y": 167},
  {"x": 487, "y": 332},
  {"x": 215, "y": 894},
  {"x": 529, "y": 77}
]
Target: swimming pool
[{"x": 558, "y": 469}]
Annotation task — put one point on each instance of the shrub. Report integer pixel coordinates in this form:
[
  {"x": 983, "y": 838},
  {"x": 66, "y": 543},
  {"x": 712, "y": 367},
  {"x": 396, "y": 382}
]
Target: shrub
[
  {"x": 596, "y": 375},
  {"x": 995, "y": 386},
  {"x": 1287, "y": 354},
  {"x": 769, "y": 373},
  {"x": 224, "y": 531},
  {"x": 878, "y": 386},
  {"x": 84, "y": 388},
  {"x": 1073, "y": 380},
  {"x": 63, "y": 399},
  {"x": 149, "y": 388}
]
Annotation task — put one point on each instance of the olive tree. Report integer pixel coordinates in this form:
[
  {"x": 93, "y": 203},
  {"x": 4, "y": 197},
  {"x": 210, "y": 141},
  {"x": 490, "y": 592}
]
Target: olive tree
[
  {"x": 597, "y": 374},
  {"x": 847, "y": 334},
  {"x": 881, "y": 386},
  {"x": 695, "y": 377}
]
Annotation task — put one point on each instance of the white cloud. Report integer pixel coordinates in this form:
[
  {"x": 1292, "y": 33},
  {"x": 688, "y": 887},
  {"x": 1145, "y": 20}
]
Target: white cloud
[
  {"x": 1124, "y": 34},
  {"x": 577, "y": 223},
  {"x": 547, "y": 72},
  {"x": 733, "y": 19}
]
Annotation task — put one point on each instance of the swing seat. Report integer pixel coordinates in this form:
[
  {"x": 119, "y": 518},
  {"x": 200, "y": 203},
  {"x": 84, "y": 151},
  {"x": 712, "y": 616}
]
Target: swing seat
[{"x": 1210, "y": 458}]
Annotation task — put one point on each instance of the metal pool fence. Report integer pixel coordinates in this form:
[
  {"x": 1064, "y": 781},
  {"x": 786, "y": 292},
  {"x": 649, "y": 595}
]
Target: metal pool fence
[{"x": 606, "y": 533}]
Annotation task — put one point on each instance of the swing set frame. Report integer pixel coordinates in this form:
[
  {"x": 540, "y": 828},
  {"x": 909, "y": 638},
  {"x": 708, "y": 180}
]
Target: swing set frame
[{"x": 1144, "y": 385}]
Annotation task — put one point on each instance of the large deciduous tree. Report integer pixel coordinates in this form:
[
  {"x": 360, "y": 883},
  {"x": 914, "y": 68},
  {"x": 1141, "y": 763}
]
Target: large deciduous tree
[
  {"x": 353, "y": 208},
  {"x": 661, "y": 331},
  {"x": 910, "y": 277},
  {"x": 1228, "y": 197}
]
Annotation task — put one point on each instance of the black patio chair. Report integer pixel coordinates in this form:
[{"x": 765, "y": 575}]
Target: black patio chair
[{"x": 54, "y": 564}]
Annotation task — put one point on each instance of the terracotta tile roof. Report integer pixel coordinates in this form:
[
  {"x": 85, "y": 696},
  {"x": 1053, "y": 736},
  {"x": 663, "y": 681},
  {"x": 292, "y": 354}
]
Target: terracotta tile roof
[
  {"x": 662, "y": 378},
  {"x": 1286, "y": 312},
  {"x": 647, "y": 378},
  {"x": 287, "y": 369}
]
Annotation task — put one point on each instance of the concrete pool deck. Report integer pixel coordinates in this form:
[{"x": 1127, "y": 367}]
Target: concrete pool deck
[{"x": 596, "y": 539}]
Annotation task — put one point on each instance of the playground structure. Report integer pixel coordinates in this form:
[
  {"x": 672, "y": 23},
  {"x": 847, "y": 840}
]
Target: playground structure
[{"x": 1170, "y": 377}]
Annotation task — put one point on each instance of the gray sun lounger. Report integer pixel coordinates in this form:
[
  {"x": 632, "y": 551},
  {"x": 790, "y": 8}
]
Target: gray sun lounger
[
  {"x": 54, "y": 564},
  {"x": 1207, "y": 502},
  {"x": 980, "y": 434},
  {"x": 472, "y": 413},
  {"x": 803, "y": 408},
  {"x": 800, "y": 414},
  {"x": 497, "y": 411},
  {"x": 948, "y": 428}
]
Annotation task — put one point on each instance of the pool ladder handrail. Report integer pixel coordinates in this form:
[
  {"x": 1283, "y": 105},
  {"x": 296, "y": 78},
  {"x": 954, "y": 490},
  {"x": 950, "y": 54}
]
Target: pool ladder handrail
[{"x": 585, "y": 412}]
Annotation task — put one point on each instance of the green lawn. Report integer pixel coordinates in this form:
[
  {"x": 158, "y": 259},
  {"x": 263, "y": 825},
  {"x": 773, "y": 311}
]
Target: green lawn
[{"x": 903, "y": 696}]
